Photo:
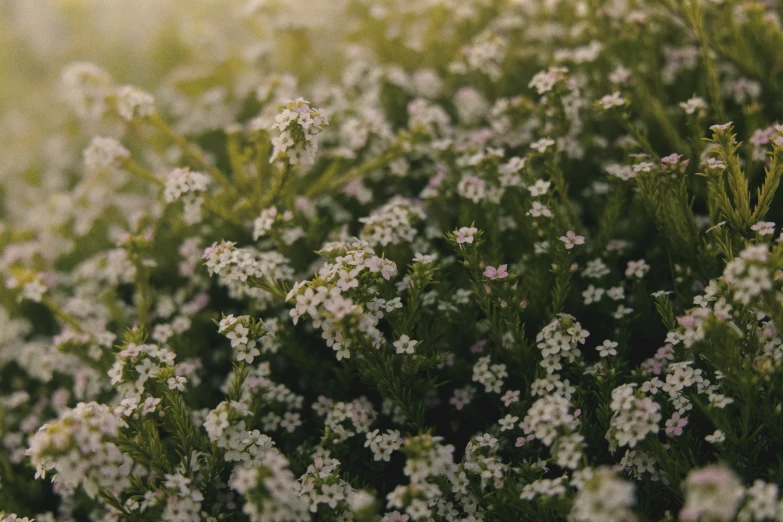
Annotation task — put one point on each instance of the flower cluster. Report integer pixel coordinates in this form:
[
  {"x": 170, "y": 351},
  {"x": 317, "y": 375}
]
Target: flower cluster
[
  {"x": 79, "y": 447},
  {"x": 633, "y": 417},
  {"x": 529, "y": 268},
  {"x": 392, "y": 224},
  {"x": 299, "y": 126},
  {"x": 559, "y": 341},
  {"x": 237, "y": 268},
  {"x": 337, "y": 299},
  {"x": 603, "y": 496}
]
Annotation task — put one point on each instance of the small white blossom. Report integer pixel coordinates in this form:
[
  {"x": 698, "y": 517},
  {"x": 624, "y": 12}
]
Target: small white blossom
[{"x": 405, "y": 345}]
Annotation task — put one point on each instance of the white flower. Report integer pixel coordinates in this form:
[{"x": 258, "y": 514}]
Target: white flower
[
  {"x": 510, "y": 397},
  {"x": 620, "y": 74},
  {"x": 490, "y": 375},
  {"x": 623, "y": 172},
  {"x": 612, "y": 100},
  {"x": 298, "y": 126},
  {"x": 544, "y": 81},
  {"x": 508, "y": 422},
  {"x": 721, "y": 127},
  {"x": 263, "y": 223},
  {"x": 712, "y": 493},
  {"x": 644, "y": 166},
  {"x": 183, "y": 181},
  {"x": 761, "y": 502},
  {"x": 539, "y": 188},
  {"x": 539, "y": 210},
  {"x": 607, "y": 348},
  {"x": 290, "y": 421},
  {"x": 713, "y": 164},
  {"x": 424, "y": 259},
  {"x": 134, "y": 103},
  {"x": 176, "y": 383},
  {"x": 592, "y": 294},
  {"x": 34, "y": 290},
  {"x": 637, "y": 269},
  {"x": 622, "y": 311},
  {"x": 693, "y": 105},
  {"x": 716, "y": 437},
  {"x": 104, "y": 153},
  {"x": 603, "y": 497},
  {"x": 405, "y": 344},
  {"x": 595, "y": 269},
  {"x": 542, "y": 145}
]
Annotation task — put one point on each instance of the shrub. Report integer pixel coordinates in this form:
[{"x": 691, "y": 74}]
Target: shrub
[{"x": 474, "y": 260}]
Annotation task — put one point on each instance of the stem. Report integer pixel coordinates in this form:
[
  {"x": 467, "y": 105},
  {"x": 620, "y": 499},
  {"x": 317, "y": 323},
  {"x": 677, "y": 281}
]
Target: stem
[
  {"x": 695, "y": 18},
  {"x": 641, "y": 138},
  {"x": 62, "y": 315},
  {"x": 277, "y": 187},
  {"x": 330, "y": 180},
  {"x": 656, "y": 110},
  {"x": 221, "y": 213},
  {"x": 191, "y": 150},
  {"x": 556, "y": 174},
  {"x": 137, "y": 170},
  {"x": 213, "y": 208}
]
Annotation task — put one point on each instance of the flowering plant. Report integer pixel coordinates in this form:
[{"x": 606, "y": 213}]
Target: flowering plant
[{"x": 385, "y": 260}]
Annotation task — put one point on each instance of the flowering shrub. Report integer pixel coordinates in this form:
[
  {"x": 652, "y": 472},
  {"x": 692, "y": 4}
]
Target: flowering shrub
[{"x": 442, "y": 260}]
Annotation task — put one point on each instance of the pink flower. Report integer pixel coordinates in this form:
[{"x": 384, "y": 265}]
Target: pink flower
[
  {"x": 674, "y": 161},
  {"x": 689, "y": 514},
  {"x": 476, "y": 182},
  {"x": 460, "y": 399},
  {"x": 436, "y": 180},
  {"x": 396, "y": 516},
  {"x": 447, "y": 361},
  {"x": 210, "y": 250},
  {"x": 482, "y": 135},
  {"x": 301, "y": 106},
  {"x": 652, "y": 367},
  {"x": 711, "y": 476},
  {"x": 764, "y": 228},
  {"x": 465, "y": 235},
  {"x": 665, "y": 352},
  {"x": 478, "y": 347},
  {"x": 762, "y": 136},
  {"x": 685, "y": 320},
  {"x": 571, "y": 239},
  {"x": 675, "y": 425},
  {"x": 500, "y": 272},
  {"x": 510, "y": 397}
]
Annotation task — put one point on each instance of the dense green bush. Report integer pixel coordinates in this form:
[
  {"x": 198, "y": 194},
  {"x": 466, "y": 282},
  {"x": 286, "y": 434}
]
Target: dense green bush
[{"x": 447, "y": 260}]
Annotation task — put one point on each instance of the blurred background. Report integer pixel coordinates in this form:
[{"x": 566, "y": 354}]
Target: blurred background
[{"x": 172, "y": 48}]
